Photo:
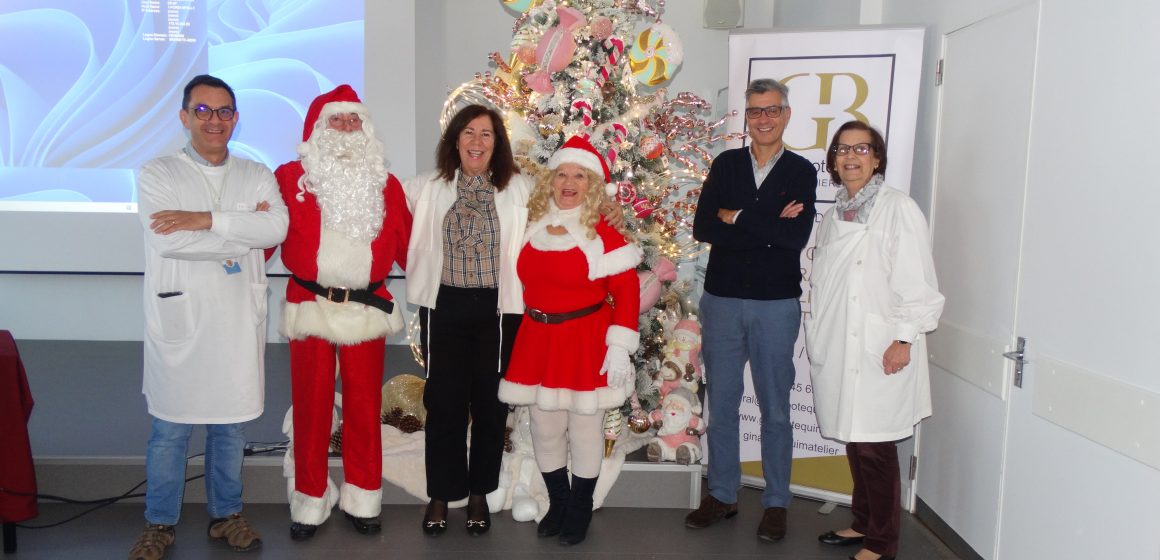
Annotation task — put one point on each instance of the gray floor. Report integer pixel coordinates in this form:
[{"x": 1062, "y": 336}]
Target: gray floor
[{"x": 615, "y": 533}]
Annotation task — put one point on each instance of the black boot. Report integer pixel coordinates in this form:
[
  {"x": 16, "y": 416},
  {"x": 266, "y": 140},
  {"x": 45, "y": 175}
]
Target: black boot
[
  {"x": 558, "y": 492},
  {"x": 579, "y": 512}
]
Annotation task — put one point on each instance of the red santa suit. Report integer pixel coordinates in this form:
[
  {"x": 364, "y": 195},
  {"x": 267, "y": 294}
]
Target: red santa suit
[
  {"x": 557, "y": 366},
  {"x": 325, "y": 324}
]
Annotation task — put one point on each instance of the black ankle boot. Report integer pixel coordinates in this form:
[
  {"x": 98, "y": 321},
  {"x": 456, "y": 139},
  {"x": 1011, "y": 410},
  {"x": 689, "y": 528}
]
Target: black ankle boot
[
  {"x": 558, "y": 492},
  {"x": 579, "y": 512}
]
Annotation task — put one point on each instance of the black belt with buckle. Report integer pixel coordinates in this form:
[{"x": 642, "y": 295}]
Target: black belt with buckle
[
  {"x": 557, "y": 318},
  {"x": 365, "y": 296}
]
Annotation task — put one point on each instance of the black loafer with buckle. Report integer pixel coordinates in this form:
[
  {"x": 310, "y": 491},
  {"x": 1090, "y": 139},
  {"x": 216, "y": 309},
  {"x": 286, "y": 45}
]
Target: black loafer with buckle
[{"x": 435, "y": 518}]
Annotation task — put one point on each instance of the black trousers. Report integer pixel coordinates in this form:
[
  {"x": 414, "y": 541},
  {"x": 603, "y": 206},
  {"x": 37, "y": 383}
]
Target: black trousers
[{"x": 464, "y": 340}]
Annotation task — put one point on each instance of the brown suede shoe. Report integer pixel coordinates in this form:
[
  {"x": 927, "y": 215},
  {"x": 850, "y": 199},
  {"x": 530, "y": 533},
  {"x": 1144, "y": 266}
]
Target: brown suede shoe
[
  {"x": 152, "y": 543},
  {"x": 236, "y": 531},
  {"x": 772, "y": 527},
  {"x": 711, "y": 511}
]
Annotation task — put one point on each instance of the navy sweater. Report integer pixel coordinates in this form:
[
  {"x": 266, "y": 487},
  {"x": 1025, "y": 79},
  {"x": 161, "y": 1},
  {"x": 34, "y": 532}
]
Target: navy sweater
[{"x": 759, "y": 257}]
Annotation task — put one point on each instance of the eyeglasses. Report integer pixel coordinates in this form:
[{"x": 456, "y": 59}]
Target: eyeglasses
[
  {"x": 203, "y": 112},
  {"x": 339, "y": 120},
  {"x": 860, "y": 149},
  {"x": 773, "y": 111}
]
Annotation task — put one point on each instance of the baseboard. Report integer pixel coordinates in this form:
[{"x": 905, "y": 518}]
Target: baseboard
[{"x": 943, "y": 531}]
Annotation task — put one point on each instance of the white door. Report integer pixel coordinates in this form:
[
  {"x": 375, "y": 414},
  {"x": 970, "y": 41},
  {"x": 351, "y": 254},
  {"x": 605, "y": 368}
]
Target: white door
[
  {"x": 1082, "y": 470},
  {"x": 1044, "y": 228},
  {"x": 984, "y": 121}
]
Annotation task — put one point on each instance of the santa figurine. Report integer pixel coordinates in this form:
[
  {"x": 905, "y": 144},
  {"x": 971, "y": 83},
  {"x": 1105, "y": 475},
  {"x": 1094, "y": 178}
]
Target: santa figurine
[
  {"x": 679, "y": 428},
  {"x": 349, "y": 225}
]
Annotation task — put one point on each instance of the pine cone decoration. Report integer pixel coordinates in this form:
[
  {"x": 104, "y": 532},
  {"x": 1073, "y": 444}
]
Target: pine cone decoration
[
  {"x": 394, "y": 417},
  {"x": 508, "y": 446},
  {"x": 409, "y": 424},
  {"x": 336, "y": 441}
]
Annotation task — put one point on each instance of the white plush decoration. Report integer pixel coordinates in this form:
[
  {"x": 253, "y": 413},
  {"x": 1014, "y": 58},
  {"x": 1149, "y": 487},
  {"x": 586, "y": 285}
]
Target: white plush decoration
[{"x": 521, "y": 487}]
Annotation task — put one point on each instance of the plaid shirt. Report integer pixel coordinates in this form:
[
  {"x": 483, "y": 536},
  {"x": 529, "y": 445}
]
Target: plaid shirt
[{"x": 471, "y": 236}]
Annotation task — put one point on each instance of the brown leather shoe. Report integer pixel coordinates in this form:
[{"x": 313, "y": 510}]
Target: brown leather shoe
[
  {"x": 772, "y": 527},
  {"x": 711, "y": 511}
]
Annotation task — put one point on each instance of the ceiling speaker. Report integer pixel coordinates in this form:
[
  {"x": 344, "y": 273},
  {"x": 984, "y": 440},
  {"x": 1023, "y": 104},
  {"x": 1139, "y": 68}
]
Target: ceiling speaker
[{"x": 723, "y": 14}]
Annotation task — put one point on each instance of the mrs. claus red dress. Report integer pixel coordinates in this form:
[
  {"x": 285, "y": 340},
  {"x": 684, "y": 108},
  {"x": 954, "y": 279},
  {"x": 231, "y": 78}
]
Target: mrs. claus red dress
[{"x": 557, "y": 366}]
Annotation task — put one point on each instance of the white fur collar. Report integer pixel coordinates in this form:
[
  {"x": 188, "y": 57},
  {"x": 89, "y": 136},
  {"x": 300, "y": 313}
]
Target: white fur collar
[{"x": 600, "y": 264}]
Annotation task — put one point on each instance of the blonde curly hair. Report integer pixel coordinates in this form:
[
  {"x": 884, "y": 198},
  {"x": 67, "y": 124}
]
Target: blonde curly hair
[{"x": 590, "y": 207}]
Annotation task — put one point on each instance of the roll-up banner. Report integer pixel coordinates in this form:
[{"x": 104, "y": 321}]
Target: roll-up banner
[{"x": 869, "y": 74}]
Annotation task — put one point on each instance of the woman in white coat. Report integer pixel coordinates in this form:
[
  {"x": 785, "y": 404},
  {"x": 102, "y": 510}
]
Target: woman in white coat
[
  {"x": 469, "y": 220},
  {"x": 873, "y": 296}
]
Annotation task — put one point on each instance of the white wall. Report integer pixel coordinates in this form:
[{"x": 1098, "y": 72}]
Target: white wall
[{"x": 450, "y": 41}]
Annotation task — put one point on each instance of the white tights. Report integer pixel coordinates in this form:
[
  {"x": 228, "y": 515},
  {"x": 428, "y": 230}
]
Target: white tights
[{"x": 556, "y": 432}]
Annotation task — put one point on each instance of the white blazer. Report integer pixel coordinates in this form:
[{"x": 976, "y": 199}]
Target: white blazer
[{"x": 429, "y": 198}]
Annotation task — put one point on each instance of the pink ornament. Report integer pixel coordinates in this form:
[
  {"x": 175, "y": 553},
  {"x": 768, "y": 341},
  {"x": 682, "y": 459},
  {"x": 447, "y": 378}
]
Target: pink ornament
[
  {"x": 555, "y": 49},
  {"x": 601, "y": 28},
  {"x": 650, "y": 282}
]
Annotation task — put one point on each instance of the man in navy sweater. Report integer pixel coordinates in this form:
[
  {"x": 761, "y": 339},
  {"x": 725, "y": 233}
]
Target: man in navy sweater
[{"x": 756, "y": 210}]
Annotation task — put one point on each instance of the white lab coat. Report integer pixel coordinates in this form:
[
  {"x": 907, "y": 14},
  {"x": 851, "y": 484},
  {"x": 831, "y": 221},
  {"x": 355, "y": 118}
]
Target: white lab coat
[
  {"x": 204, "y": 348},
  {"x": 871, "y": 284}
]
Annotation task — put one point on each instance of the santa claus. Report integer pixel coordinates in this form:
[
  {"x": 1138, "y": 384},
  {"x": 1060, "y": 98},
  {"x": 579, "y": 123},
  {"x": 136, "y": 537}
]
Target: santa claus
[{"x": 349, "y": 224}]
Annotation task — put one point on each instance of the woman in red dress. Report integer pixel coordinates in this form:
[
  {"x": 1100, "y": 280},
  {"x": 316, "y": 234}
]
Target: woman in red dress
[{"x": 572, "y": 354}]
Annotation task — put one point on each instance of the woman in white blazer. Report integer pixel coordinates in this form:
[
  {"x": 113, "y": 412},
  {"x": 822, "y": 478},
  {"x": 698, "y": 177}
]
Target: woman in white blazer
[
  {"x": 469, "y": 220},
  {"x": 873, "y": 296}
]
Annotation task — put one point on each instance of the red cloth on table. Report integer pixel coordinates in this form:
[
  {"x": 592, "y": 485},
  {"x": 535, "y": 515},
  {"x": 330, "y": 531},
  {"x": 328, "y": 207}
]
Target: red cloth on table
[{"x": 16, "y": 471}]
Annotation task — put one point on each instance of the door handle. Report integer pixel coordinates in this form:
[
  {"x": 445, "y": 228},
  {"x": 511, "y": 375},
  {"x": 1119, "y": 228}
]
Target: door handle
[{"x": 1019, "y": 357}]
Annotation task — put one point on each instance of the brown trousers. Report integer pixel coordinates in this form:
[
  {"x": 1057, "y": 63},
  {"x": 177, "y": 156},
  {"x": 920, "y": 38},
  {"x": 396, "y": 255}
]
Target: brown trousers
[{"x": 876, "y": 503}]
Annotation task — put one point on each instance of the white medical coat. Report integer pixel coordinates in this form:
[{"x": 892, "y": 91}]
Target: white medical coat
[
  {"x": 205, "y": 346},
  {"x": 871, "y": 284}
]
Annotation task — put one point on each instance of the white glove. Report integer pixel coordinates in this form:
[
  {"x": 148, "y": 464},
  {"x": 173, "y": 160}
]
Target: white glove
[{"x": 618, "y": 366}]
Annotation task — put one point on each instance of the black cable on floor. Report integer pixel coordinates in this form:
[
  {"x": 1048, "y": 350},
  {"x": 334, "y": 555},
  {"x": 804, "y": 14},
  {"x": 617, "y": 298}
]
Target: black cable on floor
[{"x": 104, "y": 502}]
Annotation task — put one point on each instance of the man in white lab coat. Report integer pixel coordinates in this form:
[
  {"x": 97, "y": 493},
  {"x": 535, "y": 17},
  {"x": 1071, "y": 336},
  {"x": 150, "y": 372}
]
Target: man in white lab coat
[{"x": 208, "y": 216}]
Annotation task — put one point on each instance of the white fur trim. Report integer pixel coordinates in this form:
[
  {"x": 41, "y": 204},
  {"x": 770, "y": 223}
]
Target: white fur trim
[
  {"x": 616, "y": 261},
  {"x": 623, "y": 337},
  {"x": 342, "y": 323},
  {"x": 580, "y": 402},
  {"x": 610, "y": 189},
  {"x": 583, "y": 158},
  {"x": 337, "y": 108},
  {"x": 544, "y": 241},
  {"x": 600, "y": 264},
  {"x": 516, "y": 393},
  {"x": 343, "y": 261},
  {"x": 311, "y": 510},
  {"x": 361, "y": 502}
]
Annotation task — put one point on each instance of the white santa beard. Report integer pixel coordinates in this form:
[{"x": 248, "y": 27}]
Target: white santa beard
[{"x": 347, "y": 178}]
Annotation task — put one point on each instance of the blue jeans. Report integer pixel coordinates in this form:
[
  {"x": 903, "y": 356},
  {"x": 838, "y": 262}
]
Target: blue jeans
[
  {"x": 165, "y": 470},
  {"x": 762, "y": 332}
]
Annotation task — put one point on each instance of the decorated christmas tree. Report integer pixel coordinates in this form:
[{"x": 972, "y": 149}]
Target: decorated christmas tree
[{"x": 596, "y": 68}]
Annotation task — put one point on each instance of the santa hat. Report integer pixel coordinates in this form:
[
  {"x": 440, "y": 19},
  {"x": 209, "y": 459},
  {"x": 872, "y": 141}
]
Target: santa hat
[
  {"x": 579, "y": 150},
  {"x": 688, "y": 325},
  {"x": 686, "y": 395},
  {"x": 337, "y": 101}
]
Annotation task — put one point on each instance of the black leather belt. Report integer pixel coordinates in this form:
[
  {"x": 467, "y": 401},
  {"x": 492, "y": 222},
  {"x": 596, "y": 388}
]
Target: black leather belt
[
  {"x": 364, "y": 296},
  {"x": 557, "y": 318}
]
